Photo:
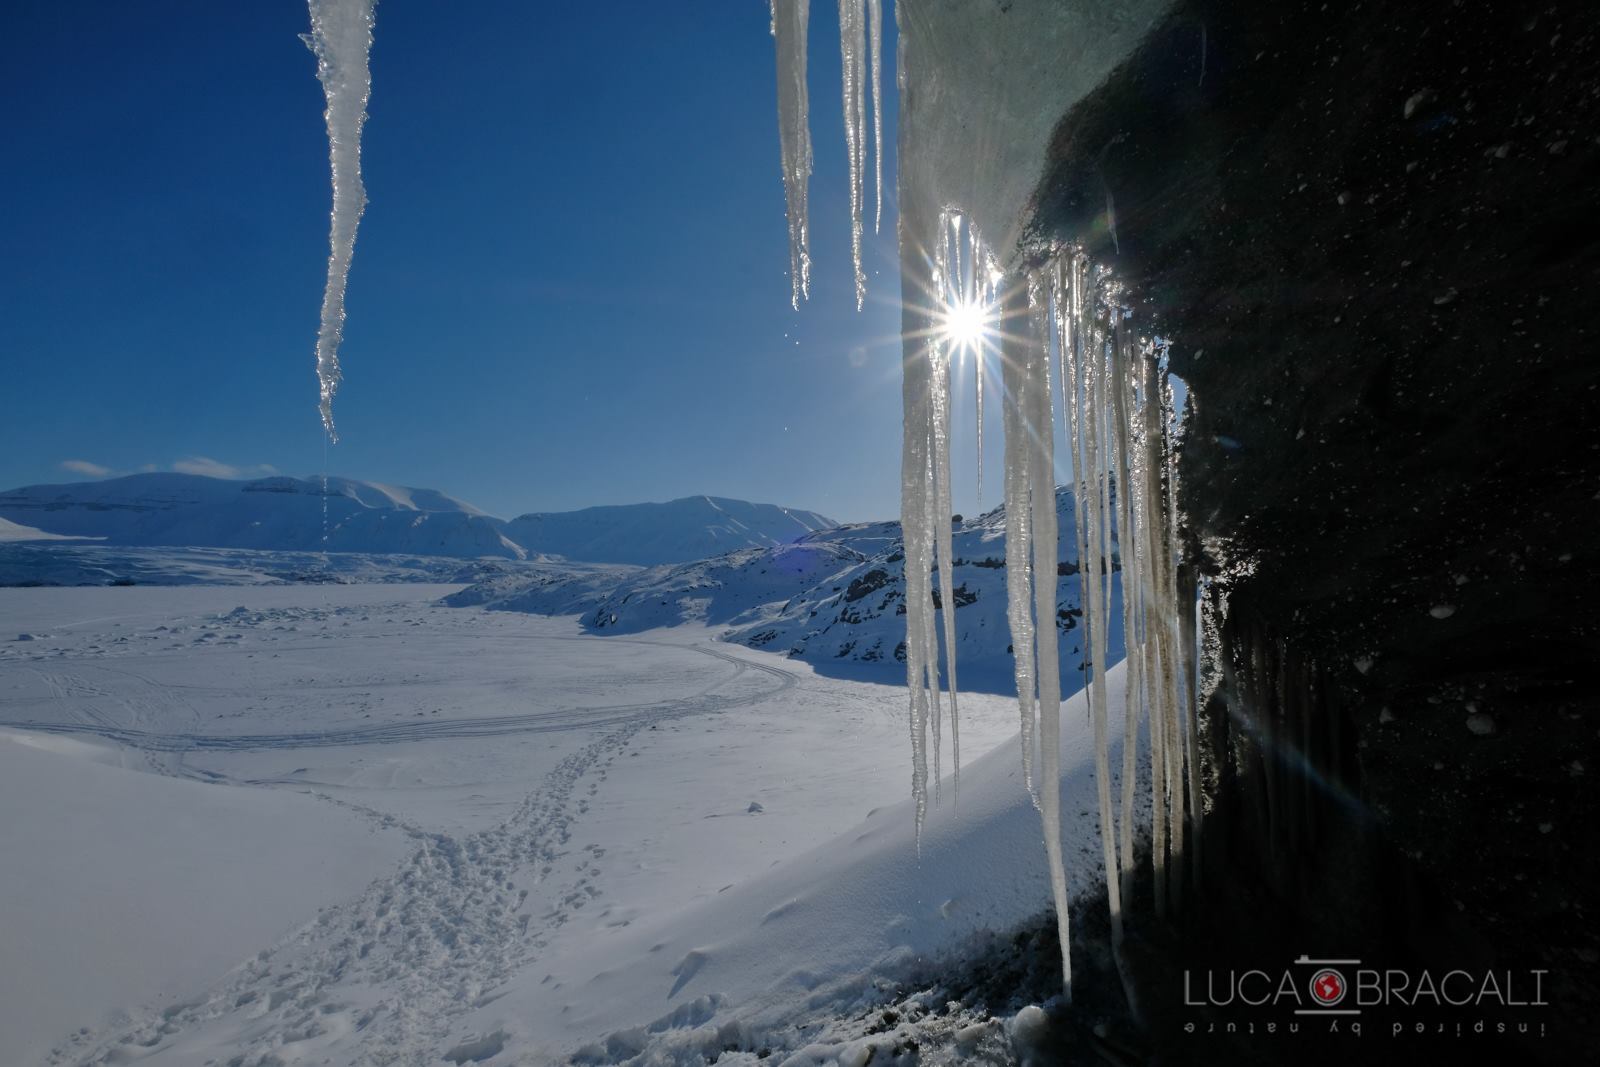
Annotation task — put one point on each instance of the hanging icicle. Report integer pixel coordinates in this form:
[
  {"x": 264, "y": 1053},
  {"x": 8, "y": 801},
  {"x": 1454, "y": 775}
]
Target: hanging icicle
[
  {"x": 1084, "y": 346},
  {"x": 875, "y": 47},
  {"x": 853, "y": 66},
  {"x": 1046, "y": 643},
  {"x": 341, "y": 39},
  {"x": 790, "y": 21}
]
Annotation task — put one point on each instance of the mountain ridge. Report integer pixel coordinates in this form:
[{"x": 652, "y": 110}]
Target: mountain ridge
[
  {"x": 340, "y": 514},
  {"x": 834, "y": 598}
]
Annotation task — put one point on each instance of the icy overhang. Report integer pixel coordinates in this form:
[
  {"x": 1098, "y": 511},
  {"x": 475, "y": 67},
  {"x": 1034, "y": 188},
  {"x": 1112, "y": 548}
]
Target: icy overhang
[{"x": 983, "y": 84}]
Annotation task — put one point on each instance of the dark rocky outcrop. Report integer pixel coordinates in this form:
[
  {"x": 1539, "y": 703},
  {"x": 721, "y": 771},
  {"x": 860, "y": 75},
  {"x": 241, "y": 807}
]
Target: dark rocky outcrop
[{"x": 1370, "y": 231}]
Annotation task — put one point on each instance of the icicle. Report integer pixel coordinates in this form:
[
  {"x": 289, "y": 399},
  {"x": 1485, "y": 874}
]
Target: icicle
[
  {"x": 852, "y": 55},
  {"x": 1084, "y": 351},
  {"x": 1122, "y": 435},
  {"x": 341, "y": 38},
  {"x": 930, "y": 632},
  {"x": 875, "y": 39},
  {"x": 923, "y": 506},
  {"x": 944, "y": 539},
  {"x": 790, "y": 21},
  {"x": 913, "y": 526},
  {"x": 977, "y": 377},
  {"x": 1019, "y": 529},
  {"x": 967, "y": 291},
  {"x": 1153, "y": 574},
  {"x": 1100, "y": 562},
  {"x": 1170, "y": 610},
  {"x": 1068, "y": 329},
  {"x": 1047, "y": 647}
]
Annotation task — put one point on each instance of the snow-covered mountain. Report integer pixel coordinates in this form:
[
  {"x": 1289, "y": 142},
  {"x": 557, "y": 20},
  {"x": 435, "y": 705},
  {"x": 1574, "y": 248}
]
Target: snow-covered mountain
[
  {"x": 285, "y": 514},
  {"x": 345, "y": 515},
  {"x": 834, "y": 598},
  {"x": 677, "y": 531}
]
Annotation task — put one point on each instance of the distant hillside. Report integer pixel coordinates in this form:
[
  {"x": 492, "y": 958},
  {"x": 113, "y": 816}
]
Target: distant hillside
[
  {"x": 283, "y": 514},
  {"x": 694, "y": 527},
  {"x": 287, "y": 515},
  {"x": 835, "y": 598}
]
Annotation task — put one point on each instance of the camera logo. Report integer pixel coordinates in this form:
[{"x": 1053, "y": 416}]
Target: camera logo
[{"x": 1327, "y": 987}]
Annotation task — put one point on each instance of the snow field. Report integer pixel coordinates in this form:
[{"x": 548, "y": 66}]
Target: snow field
[{"x": 535, "y": 796}]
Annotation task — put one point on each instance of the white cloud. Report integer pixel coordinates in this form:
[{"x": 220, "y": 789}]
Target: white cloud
[
  {"x": 83, "y": 466},
  {"x": 213, "y": 468}
]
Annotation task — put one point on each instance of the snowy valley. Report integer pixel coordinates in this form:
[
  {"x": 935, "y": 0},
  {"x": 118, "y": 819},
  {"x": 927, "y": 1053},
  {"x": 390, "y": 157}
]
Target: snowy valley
[{"x": 567, "y": 809}]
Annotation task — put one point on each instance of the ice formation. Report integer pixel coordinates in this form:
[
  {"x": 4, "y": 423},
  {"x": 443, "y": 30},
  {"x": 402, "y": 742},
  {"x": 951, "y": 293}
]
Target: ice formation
[
  {"x": 861, "y": 67},
  {"x": 875, "y": 45},
  {"x": 853, "y": 64},
  {"x": 980, "y": 92},
  {"x": 341, "y": 38},
  {"x": 790, "y": 21}
]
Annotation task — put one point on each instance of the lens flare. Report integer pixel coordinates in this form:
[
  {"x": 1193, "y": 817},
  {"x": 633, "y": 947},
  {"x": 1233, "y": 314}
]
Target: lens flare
[{"x": 965, "y": 323}]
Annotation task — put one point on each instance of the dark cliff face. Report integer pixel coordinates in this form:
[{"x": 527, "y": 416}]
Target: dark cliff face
[{"x": 1372, "y": 232}]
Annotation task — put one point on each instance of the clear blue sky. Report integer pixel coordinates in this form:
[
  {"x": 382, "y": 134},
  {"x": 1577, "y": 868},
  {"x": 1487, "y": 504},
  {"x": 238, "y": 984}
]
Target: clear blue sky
[{"x": 569, "y": 286}]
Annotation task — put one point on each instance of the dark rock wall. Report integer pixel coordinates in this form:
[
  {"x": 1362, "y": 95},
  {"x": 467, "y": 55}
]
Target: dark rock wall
[{"x": 1370, "y": 231}]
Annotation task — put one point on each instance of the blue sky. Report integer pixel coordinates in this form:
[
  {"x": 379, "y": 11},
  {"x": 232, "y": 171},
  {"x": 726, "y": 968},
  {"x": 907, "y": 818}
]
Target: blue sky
[{"x": 569, "y": 286}]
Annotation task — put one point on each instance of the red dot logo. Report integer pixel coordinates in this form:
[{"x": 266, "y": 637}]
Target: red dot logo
[{"x": 1327, "y": 987}]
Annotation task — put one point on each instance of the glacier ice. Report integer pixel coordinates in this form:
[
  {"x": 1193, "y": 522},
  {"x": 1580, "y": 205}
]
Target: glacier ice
[{"x": 341, "y": 39}]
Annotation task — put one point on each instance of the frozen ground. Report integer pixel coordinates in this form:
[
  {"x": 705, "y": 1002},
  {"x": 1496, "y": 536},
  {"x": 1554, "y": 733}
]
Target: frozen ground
[{"x": 343, "y": 824}]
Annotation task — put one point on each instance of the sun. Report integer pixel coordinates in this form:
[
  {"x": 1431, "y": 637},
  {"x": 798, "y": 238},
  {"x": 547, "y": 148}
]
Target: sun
[{"x": 965, "y": 323}]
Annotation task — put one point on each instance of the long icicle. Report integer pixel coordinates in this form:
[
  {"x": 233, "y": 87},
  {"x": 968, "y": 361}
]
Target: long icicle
[
  {"x": 918, "y": 226},
  {"x": 1131, "y": 570},
  {"x": 1085, "y": 353},
  {"x": 1019, "y": 527},
  {"x": 341, "y": 39},
  {"x": 974, "y": 289},
  {"x": 977, "y": 379},
  {"x": 853, "y": 67},
  {"x": 1047, "y": 645},
  {"x": 943, "y": 541},
  {"x": 875, "y": 46},
  {"x": 1170, "y": 632},
  {"x": 913, "y": 523},
  {"x": 790, "y": 21},
  {"x": 929, "y": 628},
  {"x": 1153, "y": 574}
]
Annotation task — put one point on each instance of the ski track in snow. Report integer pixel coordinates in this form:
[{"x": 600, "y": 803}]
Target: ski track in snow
[{"x": 394, "y": 968}]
